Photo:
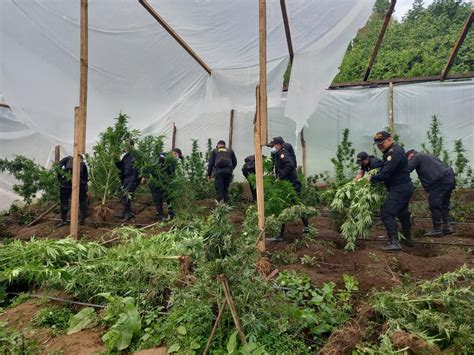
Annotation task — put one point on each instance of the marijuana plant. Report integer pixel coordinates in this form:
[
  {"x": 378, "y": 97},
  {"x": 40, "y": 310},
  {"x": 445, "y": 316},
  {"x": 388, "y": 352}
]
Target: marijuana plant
[
  {"x": 463, "y": 172},
  {"x": 344, "y": 160},
  {"x": 195, "y": 166},
  {"x": 435, "y": 140}
]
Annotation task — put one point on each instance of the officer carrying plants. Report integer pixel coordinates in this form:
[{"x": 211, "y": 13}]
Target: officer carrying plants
[
  {"x": 222, "y": 163},
  {"x": 129, "y": 180},
  {"x": 285, "y": 169},
  {"x": 65, "y": 189},
  {"x": 438, "y": 180},
  {"x": 366, "y": 162},
  {"x": 395, "y": 174}
]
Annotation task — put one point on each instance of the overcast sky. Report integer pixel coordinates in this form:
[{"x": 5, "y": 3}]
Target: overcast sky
[{"x": 403, "y": 6}]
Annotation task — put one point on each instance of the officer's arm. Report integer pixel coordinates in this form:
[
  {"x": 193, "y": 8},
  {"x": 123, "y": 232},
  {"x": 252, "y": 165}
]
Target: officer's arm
[
  {"x": 210, "y": 166},
  {"x": 86, "y": 172},
  {"x": 388, "y": 169},
  {"x": 287, "y": 166},
  {"x": 377, "y": 164},
  {"x": 234, "y": 160},
  {"x": 360, "y": 175},
  {"x": 413, "y": 163},
  {"x": 63, "y": 162}
]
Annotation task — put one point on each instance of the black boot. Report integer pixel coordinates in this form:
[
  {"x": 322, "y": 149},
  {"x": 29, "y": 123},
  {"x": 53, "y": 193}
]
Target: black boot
[
  {"x": 394, "y": 244},
  {"x": 82, "y": 216},
  {"x": 306, "y": 229},
  {"x": 447, "y": 227},
  {"x": 61, "y": 224},
  {"x": 280, "y": 237},
  {"x": 435, "y": 232},
  {"x": 63, "y": 218}
]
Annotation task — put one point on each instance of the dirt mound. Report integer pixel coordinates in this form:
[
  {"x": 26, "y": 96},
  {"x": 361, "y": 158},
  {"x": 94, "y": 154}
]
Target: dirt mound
[
  {"x": 86, "y": 342},
  {"x": 413, "y": 343}
]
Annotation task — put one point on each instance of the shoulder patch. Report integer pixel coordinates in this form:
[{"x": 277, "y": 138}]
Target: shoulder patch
[
  {"x": 389, "y": 158},
  {"x": 282, "y": 156}
]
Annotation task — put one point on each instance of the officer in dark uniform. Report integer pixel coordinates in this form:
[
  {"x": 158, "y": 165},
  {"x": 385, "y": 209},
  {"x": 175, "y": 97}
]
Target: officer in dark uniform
[
  {"x": 285, "y": 169},
  {"x": 222, "y": 163},
  {"x": 438, "y": 180},
  {"x": 288, "y": 147},
  {"x": 65, "y": 189},
  {"x": 395, "y": 174},
  {"x": 129, "y": 179},
  {"x": 159, "y": 185},
  {"x": 366, "y": 162},
  {"x": 247, "y": 169}
]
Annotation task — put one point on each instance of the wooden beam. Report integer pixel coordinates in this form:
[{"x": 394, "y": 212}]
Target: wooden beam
[
  {"x": 173, "y": 34},
  {"x": 84, "y": 68},
  {"x": 391, "y": 122},
  {"x": 412, "y": 80},
  {"x": 259, "y": 173},
  {"x": 173, "y": 137},
  {"x": 262, "y": 26},
  {"x": 57, "y": 154},
  {"x": 284, "y": 14},
  {"x": 76, "y": 175},
  {"x": 231, "y": 127},
  {"x": 5, "y": 105},
  {"x": 230, "y": 302},
  {"x": 378, "y": 43},
  {"x": 303, "y": 149},
  {"x": 459, "y": 41}
]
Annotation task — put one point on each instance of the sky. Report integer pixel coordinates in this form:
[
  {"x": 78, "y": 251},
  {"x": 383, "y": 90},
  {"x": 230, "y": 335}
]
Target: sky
[{"x": 402, "y": 7}]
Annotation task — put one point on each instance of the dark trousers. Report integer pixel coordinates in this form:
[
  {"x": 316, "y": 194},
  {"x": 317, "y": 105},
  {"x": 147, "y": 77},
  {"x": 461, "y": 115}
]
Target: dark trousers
[
  {"x": 439, "y": 199},
  {"x": 159, "y": 195},
  {"x": 222, "y": 182},
  {"x": 396, "y": 205},
  {"x": 128, "y": 188},
  {"x": 253, "y": 190},
  {"x": 64, "y": 197}
]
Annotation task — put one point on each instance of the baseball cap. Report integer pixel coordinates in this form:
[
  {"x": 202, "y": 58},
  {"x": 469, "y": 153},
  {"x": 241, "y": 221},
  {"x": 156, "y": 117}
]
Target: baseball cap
[
  {"x": 276, "y": 140},
  {"x": 381, "y": 136},
  {"x": 221, "y": 142},
  {"x": 177, "y": 150},
  {"x": 361, "y": 157}
]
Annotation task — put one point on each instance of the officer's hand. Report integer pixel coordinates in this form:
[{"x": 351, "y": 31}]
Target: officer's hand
[
  {"x": 143, "y": 181},
  {"x": 209, "y": 178}
]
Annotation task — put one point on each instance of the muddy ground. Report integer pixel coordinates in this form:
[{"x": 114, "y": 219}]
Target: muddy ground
[{"x": 329, "y": 261}]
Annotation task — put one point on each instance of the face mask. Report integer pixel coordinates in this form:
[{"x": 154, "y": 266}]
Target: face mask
[{"x": 274, "y": 150}]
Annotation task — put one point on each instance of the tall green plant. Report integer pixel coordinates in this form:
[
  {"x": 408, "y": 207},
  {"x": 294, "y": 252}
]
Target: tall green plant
[
  {"x": 344, "y": 160},
  {"x": 435, "y": 140},
  {"x": 463, "y": 172},
  {"x": 103, "y": 172},
  {"x": 195, "y": 166}
]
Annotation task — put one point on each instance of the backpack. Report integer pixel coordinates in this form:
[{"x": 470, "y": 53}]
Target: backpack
[{"x": 223, "y": 159}]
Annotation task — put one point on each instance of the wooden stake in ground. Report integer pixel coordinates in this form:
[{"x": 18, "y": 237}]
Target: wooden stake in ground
[
  {"x": 80, "y": 114},
  {"x": 231, "y": 128},
  {"x": 259, "y": 176},
  {"x": 303, "y": 149},
  {"x": 57, "y": 154},
  {"x": 391, "y": 122},
  {"x": 173, "y": 137},
  {"x": 42, "y": 215}
]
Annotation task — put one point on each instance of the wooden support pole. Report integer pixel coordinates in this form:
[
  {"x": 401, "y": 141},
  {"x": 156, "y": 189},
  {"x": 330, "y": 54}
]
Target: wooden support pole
[
  {"x": 173, "y": 137},
  {"x": 231, "y": 304},
  {"x": 231, "y": 128},
  {"x": 42, "y": 215},
  {"x": 76, "y": 175},
  {"x": 459, "y": 41},
  {"x": 263, "y": 121},
  {"x": 303, "y": 149},
  {"x": 284, "y": 14},
  {"x": 375, "y": 51},
  {"x": 214, "y": 328},
  {"x": 57, "y": 154},
  {"x": 259, "y": 174},
  {"x": 391, "y": 122},
  {"x": 173, "y": 34}
]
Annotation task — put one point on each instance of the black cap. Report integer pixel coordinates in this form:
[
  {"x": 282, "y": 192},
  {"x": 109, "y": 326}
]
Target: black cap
[
  {"x": 411, "y": 151},
  {"x": 221, "y": 142},
  {"x": 177, "y": 150},
  {"x": 361, "y": 157},
  {"x": 381, "y": 136},
  {"x": 276, "y": 140}
]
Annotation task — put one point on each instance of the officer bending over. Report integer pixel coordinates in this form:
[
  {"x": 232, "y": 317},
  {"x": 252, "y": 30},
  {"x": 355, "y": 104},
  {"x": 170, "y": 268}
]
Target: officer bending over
[
  {"x": 129, "y": 180},
  {"x": 222, "y": 163},
  {"x": 395, "y": 174},
  {"x": 247, "y": 169},
  {"x": 438, "y": 180},
  {"x": 366, "y": 162},
  {"x": 285, "y": 169},
  {"x": 288, "y": 147},
  {"x": 65, "y": 189}
]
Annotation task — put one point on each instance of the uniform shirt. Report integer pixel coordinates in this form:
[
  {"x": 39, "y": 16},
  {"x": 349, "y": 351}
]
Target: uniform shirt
[
  {"x": 374, "y": 163},
  {"x": 212, "y": 161},
  {"x": 394, "y": 169},
  {"x": 127, "y": 168},
  {"x": 430, "y": 169},
  {"x": 289, "y": 151},
  {"x": 66, "y": 165},
  {"x": 285, "y": 168}
]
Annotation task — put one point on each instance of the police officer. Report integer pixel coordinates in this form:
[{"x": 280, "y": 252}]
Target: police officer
[
  {"x": 366, "y": 162},
  {"x": 222, "y": 163},
  {"x": 439, "y": 181},
  {"x": 395, "y": 174},
  {"x": 247, "y": 169},
  {"x": 159, "y": 185},
  {"x": 129, "y": 180},
  {"x": 65, "y": 189},
  {"x": 285, "y": 169},
  {"x": 288, "y": 147}
]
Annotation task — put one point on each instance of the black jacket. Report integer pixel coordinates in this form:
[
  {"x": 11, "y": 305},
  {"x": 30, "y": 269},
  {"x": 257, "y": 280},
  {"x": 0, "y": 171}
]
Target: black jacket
[
  {"x": 212, "y": 168},
  {"x": 289, "y": 151},
  {"x": 65, "y": 179},
  {"x": 285, "y": 168},
  {"x": 127, "y": 168},
  {"x": 430, "y": 170},
  {"x": 249, "y": 166},
  {"x": 394, "y": 169},
  {"x": 374, "y": 163}
]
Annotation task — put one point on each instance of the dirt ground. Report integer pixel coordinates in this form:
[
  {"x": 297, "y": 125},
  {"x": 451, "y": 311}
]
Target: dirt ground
[{"x": 372, "y": 268}]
